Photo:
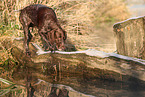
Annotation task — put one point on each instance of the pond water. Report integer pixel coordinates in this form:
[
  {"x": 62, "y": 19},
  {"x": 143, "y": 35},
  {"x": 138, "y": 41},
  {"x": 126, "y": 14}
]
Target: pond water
[
  {"x": 136, "y": 7},
  {"x": 29, "y": 82},
  {"x": 137, "y": 10}
]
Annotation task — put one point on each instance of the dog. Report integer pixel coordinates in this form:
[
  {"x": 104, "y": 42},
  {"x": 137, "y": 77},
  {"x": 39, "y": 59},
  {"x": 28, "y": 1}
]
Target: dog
[{"x": 45, "y": 19}]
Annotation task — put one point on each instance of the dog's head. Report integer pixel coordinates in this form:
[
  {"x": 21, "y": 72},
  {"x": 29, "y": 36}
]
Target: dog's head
[
  {"x": 57, "y": 39},
  {"x": 60, "y": 38}
]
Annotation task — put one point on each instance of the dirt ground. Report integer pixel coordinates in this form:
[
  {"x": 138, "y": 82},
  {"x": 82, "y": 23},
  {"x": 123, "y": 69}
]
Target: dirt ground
[{"x": 102, "y": 39}]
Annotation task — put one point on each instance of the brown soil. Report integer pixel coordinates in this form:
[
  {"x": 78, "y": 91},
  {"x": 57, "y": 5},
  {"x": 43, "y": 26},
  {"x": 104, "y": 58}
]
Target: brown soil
[{"x": 102, "y": 39}]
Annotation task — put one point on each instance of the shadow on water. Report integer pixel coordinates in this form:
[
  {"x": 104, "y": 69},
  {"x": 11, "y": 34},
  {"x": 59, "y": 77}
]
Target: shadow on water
[{"x": 30, "y": 82}]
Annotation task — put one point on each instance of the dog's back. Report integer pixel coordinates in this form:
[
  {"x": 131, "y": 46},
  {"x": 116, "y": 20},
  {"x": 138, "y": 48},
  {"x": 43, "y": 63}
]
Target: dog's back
[{"x": 35, "y": 14}]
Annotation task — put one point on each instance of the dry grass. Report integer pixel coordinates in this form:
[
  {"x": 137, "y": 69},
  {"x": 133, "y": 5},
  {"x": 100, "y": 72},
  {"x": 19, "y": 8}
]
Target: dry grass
[
  {"x": 77, "y": 16},
  {"x": 80, "y": 18}
]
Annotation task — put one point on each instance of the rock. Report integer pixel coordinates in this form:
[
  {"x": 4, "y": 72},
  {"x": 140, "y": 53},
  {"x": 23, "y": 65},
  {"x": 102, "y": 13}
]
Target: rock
[
  {"x": 88, "y": 63},
  {"x": 130, "y": 37}
]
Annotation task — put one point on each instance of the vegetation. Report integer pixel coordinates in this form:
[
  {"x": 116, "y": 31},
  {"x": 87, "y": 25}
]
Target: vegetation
[
  {"x": 9, "y": 87},
  {"x": 77, "y": 17}
]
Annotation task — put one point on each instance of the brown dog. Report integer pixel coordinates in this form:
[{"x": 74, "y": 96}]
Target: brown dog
[{"x": 44, "y": 18}]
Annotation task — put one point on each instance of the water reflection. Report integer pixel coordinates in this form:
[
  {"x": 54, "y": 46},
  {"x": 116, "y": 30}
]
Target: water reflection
[
  {"x": 27, "y": 82},
  {"x": 31, "y": 82},
  {"x": 49, "y": 90},
  {"x": 30, "y": 89},
  {"x": 61, "y": 93}
]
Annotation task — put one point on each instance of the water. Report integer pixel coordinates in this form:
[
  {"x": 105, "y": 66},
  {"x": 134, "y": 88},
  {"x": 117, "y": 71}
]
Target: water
[
  {"x": 29, "y": 82},
  {"x": 137, "y": 10},
  {"x": 136, "y": 7}
]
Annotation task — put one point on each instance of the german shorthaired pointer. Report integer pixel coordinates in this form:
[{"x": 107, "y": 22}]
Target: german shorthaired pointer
[{"x": 44, "y": 18}]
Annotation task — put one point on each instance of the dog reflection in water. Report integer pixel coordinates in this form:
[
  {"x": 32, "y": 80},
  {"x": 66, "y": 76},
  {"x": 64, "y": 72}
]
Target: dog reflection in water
[{"x": 55, "y": 92}]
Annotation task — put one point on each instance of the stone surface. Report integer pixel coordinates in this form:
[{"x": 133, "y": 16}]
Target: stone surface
[
  {"x": 130, "y": 37},
  {"x": 111, "y": 66}
]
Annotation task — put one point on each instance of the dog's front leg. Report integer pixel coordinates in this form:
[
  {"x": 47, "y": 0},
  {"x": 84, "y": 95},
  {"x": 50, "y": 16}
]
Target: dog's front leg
[
  {"x": 26, "y": 40},
  {"x": 42, "y": 34}
]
